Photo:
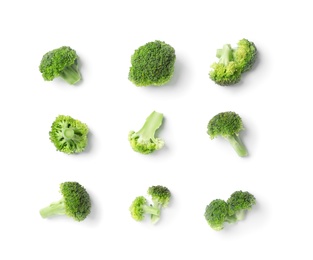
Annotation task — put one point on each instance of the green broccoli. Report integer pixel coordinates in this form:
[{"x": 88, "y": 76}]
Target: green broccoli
[
  {"x": 152, "y": 64},
  {"x": 144, "y": 140},
  {"x": 219, "y": 211},
  {"x": 228, "y": 125},
  {"x": 139, "y": 208},
  {"x": 239, "y": 202},
  {"x": 233, "y": 62},
  {"x": 75, "y": 202},
  {"x": 61, "y": 62},
  {"x": 69, "y": 135},
  {"x": 160, "y": 197}
]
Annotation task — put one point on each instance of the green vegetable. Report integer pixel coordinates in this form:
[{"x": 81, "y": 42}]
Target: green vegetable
[
  {"x": 75, "y": 202},
  {"x": 69, "y": 135},
  {"x": 140, "y": 207},
  {"x": 219, "y": 212},
  {"x": 228, "y": 125},
  {"x": 233, "y": 62},
  {"x": 61, "y": 62},
  {"x": 152, "y": 64},
  {"x": 144, "y": 141}
]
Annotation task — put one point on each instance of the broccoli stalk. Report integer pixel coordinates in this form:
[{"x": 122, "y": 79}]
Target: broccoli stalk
[
  {"x": 237, "y": 144},
  {"x": 139, "y": 208},
  {"x": 71, "y": 74},
  {"x": 225, "y": 55},
  {"x": 55, "y": 208},
  {"x": 144, "y": 141}
]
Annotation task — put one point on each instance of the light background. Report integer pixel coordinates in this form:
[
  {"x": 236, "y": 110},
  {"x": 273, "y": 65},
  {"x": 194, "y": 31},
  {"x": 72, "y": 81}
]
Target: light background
[{"x": 274, "y": 101}]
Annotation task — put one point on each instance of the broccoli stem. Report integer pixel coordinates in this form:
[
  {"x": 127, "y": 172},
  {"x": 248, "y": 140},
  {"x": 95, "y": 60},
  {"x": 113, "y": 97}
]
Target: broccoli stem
[
  {"x": 71, "y": 74},
  {"x": 225, "y": 55},
  {"x": 55, "y": 208},
  {"x": 153, "y": 122},
  {"x": 237, "y": 144},
  {"x": 240, "y": 214},
  {"x": 151, "y": 210}
]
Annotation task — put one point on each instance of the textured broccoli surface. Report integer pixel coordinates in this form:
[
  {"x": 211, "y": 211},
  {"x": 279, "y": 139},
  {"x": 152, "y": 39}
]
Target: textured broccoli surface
[
  {"x": 144, "y": 141},
  {"x": 228, "y": 125},
  {"x": 69, "y": 135},
  {"x": 75, "y": 202},
  {"x": 233, "y": 62},
  {"x": 152, "y": 64},
  {"x": 140, "y": 207},
  {"x": 239, "y": 202},
  {"x": 219, "y": 212},
  {"x": 61, "y": 62}
]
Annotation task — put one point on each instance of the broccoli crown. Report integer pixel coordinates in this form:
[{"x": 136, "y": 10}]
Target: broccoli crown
[
  {"x": 160, "y": 195},
  {"x": 216, "y": 213},
  {"x": 239, "y": 202},
  {"x": 61, "y": 62},
  {"x": 233, "y": 62},
  {"x": 76, "y": 200},
  {"x": 69, "y": 135},
  {"x": 245, "y": 55},
  {"x": 225, "y": 124},
  {"x": 139, "y": 208},
  {"x": 144, "y": 141},
  {"x": 152, "y": 64}
]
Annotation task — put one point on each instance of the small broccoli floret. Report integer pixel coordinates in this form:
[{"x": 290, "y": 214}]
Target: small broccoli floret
[
  {"x": 69, "y": 135},
  {"x": 144, "y": 140},
  {"x": 228, "y": 125},
  {"x": 139, "y": 208},
  {"x": 226, "y": 71},
  {"x": 61, "y": 62},
  {"x": 75, "y": 202},
  {"x": 160, "y": 197},
  {"x": 216, "y": 214},
  {"x": 233, "y": 62},
  {"x": 152, "y": 64},
  {"x": 239, "y": 202},
  {"x": 245, "y": 55}
]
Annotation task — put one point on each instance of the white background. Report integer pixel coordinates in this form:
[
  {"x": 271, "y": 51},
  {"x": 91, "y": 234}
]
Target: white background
[{"x": 274, "y": 101}]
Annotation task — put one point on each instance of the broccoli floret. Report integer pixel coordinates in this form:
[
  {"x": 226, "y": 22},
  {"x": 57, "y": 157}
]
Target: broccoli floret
[
  {"x": 228, "y": 125},
  {"x": 226, "y": 71},
  {"x": 239, "y": 202},
  {"x": 160, "y": 197},
  {"x": 69, "y": 135},
  {"x": 61, "y": 62},
  {"x": 144, "y": 140},
  {"x": 75, "y": 202},
  {"x": 152, "y": 64},
  {"x": 233, "y": 62},
  {"x": 217, "y": 213},
  {"x": 139, "y": 208}
]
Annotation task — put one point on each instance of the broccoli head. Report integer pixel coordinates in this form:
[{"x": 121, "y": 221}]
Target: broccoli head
[
  {"x": 139, "y": 208},
  {"x": 160, "y": 197},
  {"x": 233, "y": 62},
  {"x": 228, "y": 125},
  {"x": 239, "y": 202},
  {"x": 144, "y": 141},
  {"x": 61, "y": 62},
  {"x": 216, "y": 214},
  {"x": 69, "y": 135},
  {"x": 75, "y": 202},
  {"x": 152, "y": 64}
]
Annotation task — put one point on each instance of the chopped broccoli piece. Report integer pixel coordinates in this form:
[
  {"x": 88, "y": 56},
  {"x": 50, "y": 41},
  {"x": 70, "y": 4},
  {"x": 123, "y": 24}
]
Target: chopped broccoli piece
[
  {"x": 233, "y": 62},
  {"x": 228, "y": 125},
  {"x": 219, "y": 211},
  {"x": 160, "y": 197},
  {"x": 144, "y": 140},
  {"x": 69, "y": 135},
  {"x": 152, "y": 64},
  {"x": 216, "y": 214},
  {"x": 75, "y": 202},
  {"x": 239, "y": 202},
  {"x": 139, "y": 208},
  {"x": 61, "y": 62}
]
